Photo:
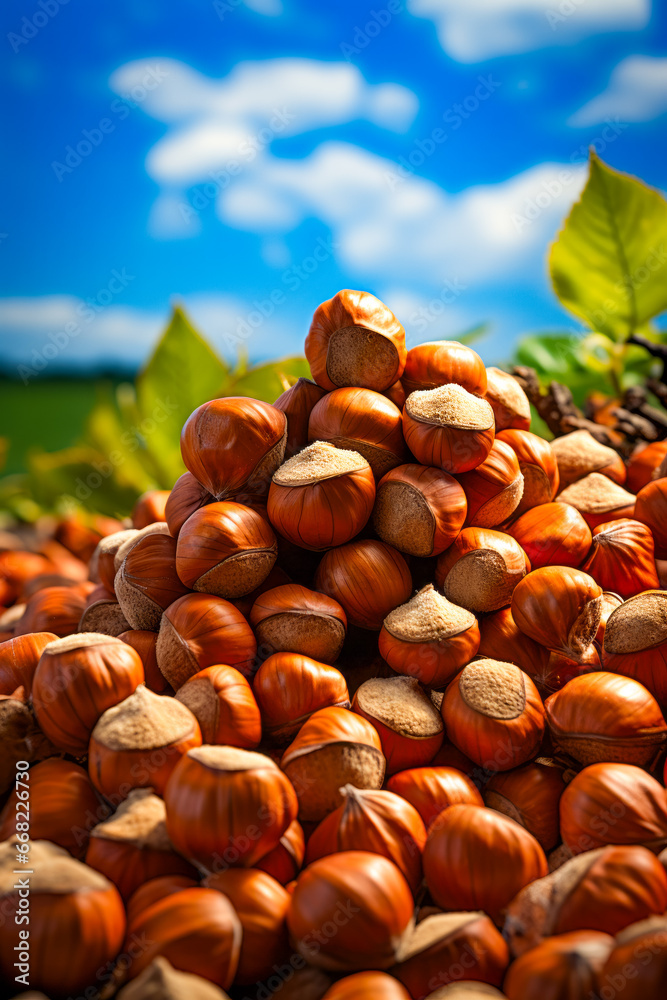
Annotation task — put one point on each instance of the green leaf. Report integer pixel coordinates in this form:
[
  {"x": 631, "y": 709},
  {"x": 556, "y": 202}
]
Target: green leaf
[
  {"x": 553, "y": 355},
  {"x": 609, "y": 265},
  {"x": 267, "y": 382},
  {"x": 16, "y": 503},
  {"x": 122, "y": 445},
  {"x": 559, "y": 357},
  {"x": 182, "y": 373},
  {"x": 81, "y": 475},
  {"x": 598, "y": 352},
  {"x": 473, "y": 334},
  {"x": 538, "y": 426}
]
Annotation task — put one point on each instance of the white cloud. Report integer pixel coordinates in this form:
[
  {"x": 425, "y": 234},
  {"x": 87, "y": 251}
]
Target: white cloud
[
  {"x": 637, "y": 92},
  {"x": 53, "y": 333},
  {"x": 46, "y": 312},
  {"x": 234, "y": 119},
  {"x": 392, "y": 229},
  {"x": 474, "y": 30},
  {"x": 233, "y": 325},
  {"x": 195, "y": 151},
  {"x": 387, "y": 227},
  {"x": 59, "y": 332}
]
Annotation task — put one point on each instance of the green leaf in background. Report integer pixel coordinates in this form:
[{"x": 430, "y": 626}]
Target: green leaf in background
[
  {"x": 116, "y": 437},
  {"x": 552, "y": 355},
  {"x": 16, "y": 501},
  {"x": 183, "y": 372},
  {"x": 267, "y": 382},
  {"x": 608, "y": 267},
  {"x": 473, "y": 334},
  {"x": 539, "y": 426},
  {"x": 586, "y": 364},
  {"x": 609, "y": 263},
  {"x": 131, "y": 440},
  {"x": 83, "y": 476}
]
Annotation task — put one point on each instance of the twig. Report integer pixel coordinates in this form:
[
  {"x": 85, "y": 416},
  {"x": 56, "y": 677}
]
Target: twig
[
  {"x": 633, "y": 425},
  {"x": 635, "y": 400},
  {"x": 558, "y": 409},
  {"x": 659, "y": 389},
  {"x": 656, "y": 350}
]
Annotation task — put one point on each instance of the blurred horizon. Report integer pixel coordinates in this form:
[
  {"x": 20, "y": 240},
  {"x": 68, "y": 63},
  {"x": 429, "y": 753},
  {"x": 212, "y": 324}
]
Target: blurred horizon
[{"x": 249, "y": 158}]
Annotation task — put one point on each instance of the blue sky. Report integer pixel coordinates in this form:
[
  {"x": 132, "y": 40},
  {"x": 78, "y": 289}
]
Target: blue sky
[{"x": 251, "y": 157}]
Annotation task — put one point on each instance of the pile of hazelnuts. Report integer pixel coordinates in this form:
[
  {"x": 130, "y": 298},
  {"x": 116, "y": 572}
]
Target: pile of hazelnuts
[{"x": 368, "y": 706}]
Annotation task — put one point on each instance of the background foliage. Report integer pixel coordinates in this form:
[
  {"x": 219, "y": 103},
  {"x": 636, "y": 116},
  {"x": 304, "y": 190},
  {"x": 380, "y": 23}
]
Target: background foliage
[
  {"x": 608, "y": 267},
  {"x": 130, "y": 439}
]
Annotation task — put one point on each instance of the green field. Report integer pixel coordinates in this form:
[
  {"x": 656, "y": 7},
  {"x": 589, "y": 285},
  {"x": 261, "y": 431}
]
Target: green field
[{"x": 47, "y": 413}]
